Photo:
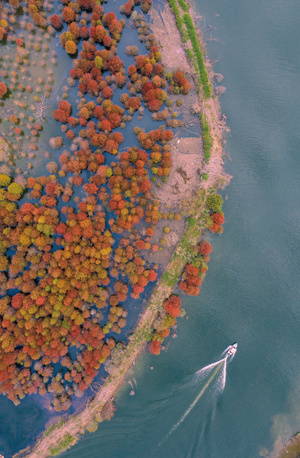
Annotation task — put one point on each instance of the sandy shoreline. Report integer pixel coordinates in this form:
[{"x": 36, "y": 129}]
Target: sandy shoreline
[
  {"x": 164, "y": 27},
  {"x": 167, "y": 34}
]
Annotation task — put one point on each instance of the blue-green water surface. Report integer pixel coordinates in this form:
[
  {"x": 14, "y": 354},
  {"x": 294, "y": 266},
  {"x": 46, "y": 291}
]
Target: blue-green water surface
[{"x": 251, "y": 292}]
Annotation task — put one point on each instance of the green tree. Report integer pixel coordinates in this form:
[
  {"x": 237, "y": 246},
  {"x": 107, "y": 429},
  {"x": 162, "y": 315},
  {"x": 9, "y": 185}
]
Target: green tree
[{"x": 214, "y": 202}]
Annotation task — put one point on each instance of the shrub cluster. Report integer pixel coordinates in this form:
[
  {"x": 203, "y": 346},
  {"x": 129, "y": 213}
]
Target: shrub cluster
[
  {"x": 178, "y": 83},
  {"x": 195, "y": 271},
  {"x": 166, "y": 320},
  {"x": 214, "y": 204},
  {"x": 217, "y": 221}
]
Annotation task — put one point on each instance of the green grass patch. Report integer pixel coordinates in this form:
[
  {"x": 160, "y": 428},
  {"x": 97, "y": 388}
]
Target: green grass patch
[
  {"x": 170, "y": 278},
  {"x": 192, "y": 222},
  {"x": 207, "y": 138},
  {"x": 183, "y": 5},
  {"x": 190, "y": 53},
  {"x": 193, "y": 60},
  {"x": 198, "y": 53},
  {"x": 179, "y": 20},
  {"x": 62, "y": 445}
]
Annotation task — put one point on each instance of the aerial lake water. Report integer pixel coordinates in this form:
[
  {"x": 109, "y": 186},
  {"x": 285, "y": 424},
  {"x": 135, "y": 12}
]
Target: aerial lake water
[{"x": 251, "y": 292}]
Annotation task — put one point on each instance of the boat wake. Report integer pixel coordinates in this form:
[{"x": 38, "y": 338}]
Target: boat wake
[{"x": 215, "y": 375}]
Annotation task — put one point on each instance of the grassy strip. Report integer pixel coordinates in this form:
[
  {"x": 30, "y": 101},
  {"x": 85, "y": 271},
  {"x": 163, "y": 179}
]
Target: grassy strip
[
  {"x": 196, "y": 56},
  {"x": 179, "y": 20},
  {"x": 193, "y": 60},
  {"x": 199, "y": 55},
  {"x": 49, "y": 430},
  {"x": 183, "y": 5},
  {"x": 207, "y": 138},
  {"x": 197, "y": 60}
]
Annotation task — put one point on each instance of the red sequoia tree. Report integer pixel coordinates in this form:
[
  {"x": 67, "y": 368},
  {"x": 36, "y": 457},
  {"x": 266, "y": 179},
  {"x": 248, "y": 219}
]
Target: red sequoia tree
[
  {"x": 172, "y": 305},
  {"x": 205, "y": 248}
]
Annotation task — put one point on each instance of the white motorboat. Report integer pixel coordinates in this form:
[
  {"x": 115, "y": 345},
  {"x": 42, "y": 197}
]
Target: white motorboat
[{"x": 232, "y": 349}]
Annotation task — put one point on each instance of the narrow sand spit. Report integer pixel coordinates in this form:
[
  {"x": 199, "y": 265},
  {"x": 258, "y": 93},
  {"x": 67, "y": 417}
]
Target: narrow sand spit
[
  {"x": 168, "y": 37},
  {"x": 187, "y": 152}
]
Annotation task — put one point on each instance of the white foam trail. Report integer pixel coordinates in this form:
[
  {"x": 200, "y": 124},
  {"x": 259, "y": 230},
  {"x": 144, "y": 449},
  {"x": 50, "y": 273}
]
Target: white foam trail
[
  {"x": 219, "y": 373},
  {"x": 206, "y": 369},
  {"x": 221, "y": 378}
]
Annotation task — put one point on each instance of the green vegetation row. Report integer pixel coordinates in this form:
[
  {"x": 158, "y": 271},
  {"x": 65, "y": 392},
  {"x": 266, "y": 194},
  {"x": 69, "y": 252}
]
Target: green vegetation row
[
  {"x": 207, "y": 138},
  {"x": 199, "y": 55},
  {"x": 193, "y": 60},
  {"x": 191, "y": 34},
  {"x": 197, "y": 60},
  {"x": 183, "y": 5},
  {"x": 179, "y": 20}
]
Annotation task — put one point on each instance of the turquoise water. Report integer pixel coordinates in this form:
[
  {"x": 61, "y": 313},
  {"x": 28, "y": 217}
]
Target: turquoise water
[{"x": 251, "y": 292}]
